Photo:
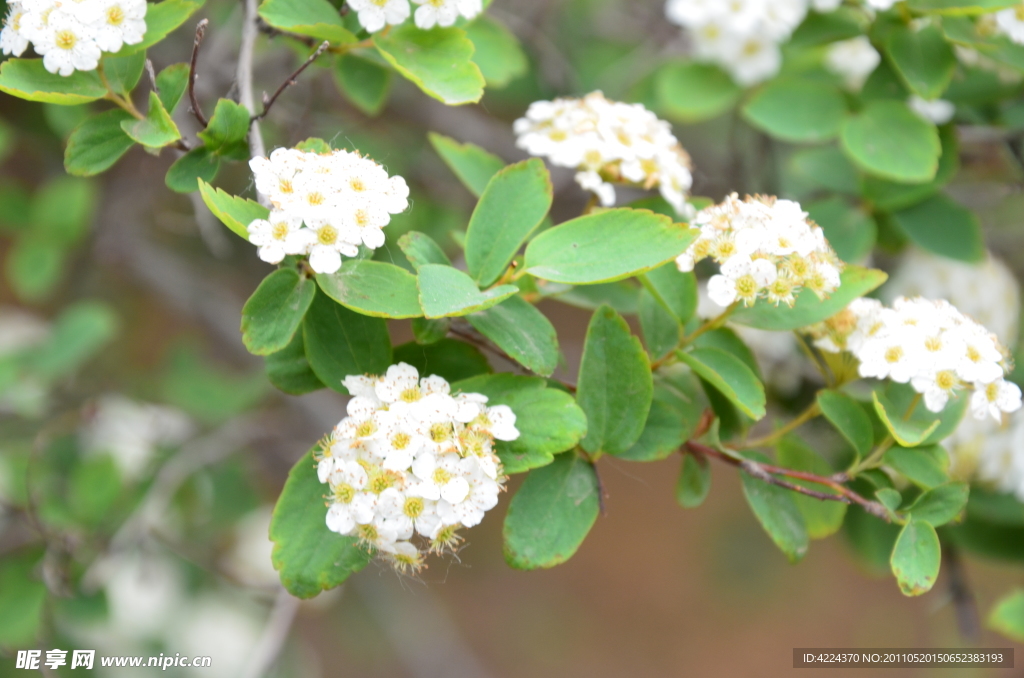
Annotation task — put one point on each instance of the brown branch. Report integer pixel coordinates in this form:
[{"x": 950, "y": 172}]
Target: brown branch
[
  {"x": 196, "y": 110},
  {"x": 964, "y": 604},
  {"x": 768, "y": 473},
  {"x": 291, "y": 80}
]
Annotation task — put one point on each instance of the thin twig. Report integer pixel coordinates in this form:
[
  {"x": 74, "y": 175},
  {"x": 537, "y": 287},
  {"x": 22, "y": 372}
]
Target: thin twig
[
  {"x": 196, "y": 110},
  {"x": 768, "y": 473},
  {"x": 275, "y": 633},
  {"x": 964, "y": 604},
  {"x": 291, "y": 80},
  {"x": 243, "y": 75}
]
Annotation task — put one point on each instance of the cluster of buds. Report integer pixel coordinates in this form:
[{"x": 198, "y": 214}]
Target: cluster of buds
[
  {"x": 928, "y": 344},
  {"x": 607, "y": 143},
  {"x": 324, "y": 205},
  {"x": 766, "y": 248},
  {"x": 412, "y": 460}
]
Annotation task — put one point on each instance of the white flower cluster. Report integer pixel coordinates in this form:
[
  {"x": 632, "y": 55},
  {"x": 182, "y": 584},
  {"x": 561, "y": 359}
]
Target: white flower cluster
[
  {"x": 989, "y": 452},
  {"x": 608, "y": 141},
  {"x": 375, "y": 14},
  {"x": 324, "y": 205},
  {"x": 411, "y": 459},
  {"x": 766, "y": 248},
  {"x": 71, "y": 35},
  {"x": 743, "y": 36},
  {"x": 853, "y": 60},
  {"x": 931, "y": 345}
]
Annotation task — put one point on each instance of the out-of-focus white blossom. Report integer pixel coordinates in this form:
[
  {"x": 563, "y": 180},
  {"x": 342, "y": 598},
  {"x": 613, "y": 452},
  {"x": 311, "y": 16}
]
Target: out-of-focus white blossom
[
  {"x": 444, "y": 12},
  {"x": 72, "y": 35},
  {"x": 766, "y": 248},
  {"x": 1010, "y": 22},
  {"x": 131, "y": 432},
  {"x": 375, "y": 14},
  {"x": 608, "y": 142},
  {"x": 324, "y": 205},
  {"x": 853, "y": 60},
  {"x": 937, "y": 111},
  {"x": 412, "y": 461}
]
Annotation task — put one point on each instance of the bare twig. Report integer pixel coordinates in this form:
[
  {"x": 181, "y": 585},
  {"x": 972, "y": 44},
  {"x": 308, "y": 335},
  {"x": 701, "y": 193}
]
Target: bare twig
[
  {"x": 964, "y": 604},
  {"x": 290, "y": 80},
  {"x": 275, "y": 632},
  {"x": 250, "y": 31},
  {"x": 768, "y": 473},
  {"x": 193, "y": 101}
]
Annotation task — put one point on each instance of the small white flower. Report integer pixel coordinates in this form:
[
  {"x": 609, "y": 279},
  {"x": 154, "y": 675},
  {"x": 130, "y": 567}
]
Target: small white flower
[
  {"x": 441, "y": 477},
  {"x": 375, "y": 14},
  {"x": 119, "y": 23},
  {"x": 1011, "y": 22},
  {"x": 12, "y": 38},
  {"x": 330, "y": 241},
  {"x": 68, "y": 45},
  {"x": 995, "y": 398},
  {"x": 741, "y": 279},
  {"x": 436, "y": 13},
  {"x": 278, "y": 236},
  {"x": 938, "y": 111},
  {"x": 853, "y": 60}
]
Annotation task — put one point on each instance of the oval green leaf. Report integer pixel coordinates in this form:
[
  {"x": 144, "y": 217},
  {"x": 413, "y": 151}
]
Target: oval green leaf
[
  {"x": 471, "y": 164},
  {"x": 945, "y": 227},
  {"x": 445, "y": 291},
  {"x": 889, "y": 140},
  {"x": 275, "y": 310},
  {"x": 797, "y": 110},
  {"x": 916, "y": 557},
  {"x": 233, "y": 211},
  {"x": 28, "y": 79},
  {"x": 730, "y": 377},
  {"x": 607, "y": 246},
  {"x": 521, "y": 331},
  {"x": 340, "y": 342},
  {"x": 849, "y": 418},
  {"x": 438, "y": 61},
  {"x": 373, "y": 288}
]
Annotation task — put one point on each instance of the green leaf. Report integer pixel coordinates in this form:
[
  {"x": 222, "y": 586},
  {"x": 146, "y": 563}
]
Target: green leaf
[
  {"x": 995, "y": 507},
  {"x": 309, "y": 557},
  {"x": 314, "y": 145},
  {"x": 80, "y": 331},
  {"x": 675, "y": 413},
  {"x": 156, "y": 129},
  {"x": 960, "y": 7},
  {"x": 447, "y": 291},
  {"x": 162, "y": 18},
  {"x": 123, "y": 72},
  {"x": 34, "y": 266},
  {"x": 28, "y": 79},
  {"x": 908, "y": 432},
  {"x": 730, "y": 376},
  {"x": 420, "y": 248},
  {"x": 22, "y": 599},
  {"x": 849, "y": 418},
  {"x": 95, "y": 488},
  {"x": 797, "y": 110},
  {"x": 923, "y": 59},
  {"x": 373, "y": 288},
  {"x": 623, "y": 296},
  {"x": 662, "y": 332},
  {"x": 823, "y": 518},
  {"x": 615, "y": 386},
  {"x": 315, "y": 18},
  {"x": 941, "y": 504},
  {"x": 890, "y": 499},
  {"x": 275, "y": 310},
  {"x": 916, "y": 557},
  {"x": 827, "y": 27},
  {"x": 498, "y": 54},
  {"x": 674, "y": 290},
  {"x": 289, "y": 371},
  {"x": 521, "y": 331},
  {"x": 438, "y": 61},
  {"x": 607, "y": 246},
  {"x": 500, "y": 387},
  {"x": 185, "y": 173},
  {"x": 172, "y": 82},
  {"x": 365, "y": 83},
  {"x": 889, "y": 195},
  {"x": 775, "y": 508},
  {"x": 943, "y": 226},
  {"x": 340, "y": 342},
  {"x": 871, "y": 539},
  {"x": 96, "y": 144},
  {"x": 429, "y": 331},
  {"x": 206, "y": 390},
  {"x": 228, "y": 125},
  {"x": 889, "y": 140},
  {"x": 549, "y": 422},
  {"x": 694, "y": 482},
  {"x": 512, "y": 206},
  {"x": 471, "y": 164},
  {"x": 1007, "y": 617},
  {"x": 234, "y": 212},
  {"x": 551, "y": 514},
  {"x": 808, "y": 309},
  {"x": 825, "y": 167},
  {"x": 850, "y": 230},
  {"x": 690, "y": 92},
  {"x": 63, "y": 210},
  {"x": 448, "y": 358},
  {"x": 924, "y": 466}
]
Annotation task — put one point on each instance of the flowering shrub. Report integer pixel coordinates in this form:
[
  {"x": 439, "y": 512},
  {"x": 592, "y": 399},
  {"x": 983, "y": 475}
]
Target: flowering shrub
[{"x": 761, "y": 308}]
